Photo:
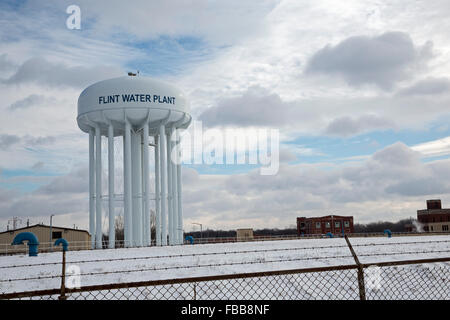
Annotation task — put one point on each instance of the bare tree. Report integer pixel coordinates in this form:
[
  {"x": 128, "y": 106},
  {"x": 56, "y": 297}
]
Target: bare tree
[{"x": 119, "y": 227}]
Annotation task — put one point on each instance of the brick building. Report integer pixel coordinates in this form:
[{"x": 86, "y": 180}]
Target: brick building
[
  {"x": 323, "y": 225},
  {"x": 434, "y": 218}
]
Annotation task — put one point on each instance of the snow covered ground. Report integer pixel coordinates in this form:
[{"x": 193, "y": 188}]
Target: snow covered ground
[{"x": 155, "y": 263}]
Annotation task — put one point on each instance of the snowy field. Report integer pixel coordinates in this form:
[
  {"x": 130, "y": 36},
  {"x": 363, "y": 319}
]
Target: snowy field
[{"x": 156, "y": 263}]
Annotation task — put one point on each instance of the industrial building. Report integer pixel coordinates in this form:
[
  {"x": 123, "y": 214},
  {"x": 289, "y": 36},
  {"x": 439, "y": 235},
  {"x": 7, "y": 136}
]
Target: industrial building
[
  {"x": 78, "y": 239},
  {"x": 434, "y": 218},
  {"x": 323, "y": 225}
]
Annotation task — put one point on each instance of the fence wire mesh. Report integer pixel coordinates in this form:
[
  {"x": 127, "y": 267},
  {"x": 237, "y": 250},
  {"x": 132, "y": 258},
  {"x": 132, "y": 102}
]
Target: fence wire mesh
[
  {"x": 335, "y": 273},
  {"x": 411, "y": 281}
]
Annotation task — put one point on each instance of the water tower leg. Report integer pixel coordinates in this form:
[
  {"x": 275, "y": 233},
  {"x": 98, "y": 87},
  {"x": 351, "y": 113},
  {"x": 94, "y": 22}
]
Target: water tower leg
[
  {"x": 112, "y": 216},
  {"x": 173, "y": 164},
  {"x": 128, "y": 199},
  {"x": 98, "y": 182},
  {"x": 179, "y": 196},
  {"x": 92, "y": 187},
  {"x": 163, "y": 162},
  {"x": 169, "y": 188},
  {"x": 157, "y": 192},
  {"x": 146, "y": 187},
  {"x": 136, "y": 187}
]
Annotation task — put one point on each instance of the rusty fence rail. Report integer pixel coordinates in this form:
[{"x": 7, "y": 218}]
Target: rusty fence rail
[{"x": 424, "y": 279}]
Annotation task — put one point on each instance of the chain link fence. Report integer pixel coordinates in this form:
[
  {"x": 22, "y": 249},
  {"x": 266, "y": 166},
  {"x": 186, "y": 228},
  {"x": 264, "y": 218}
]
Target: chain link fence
[
  {"x": 424, "y": 279},
  {"x": 403, "y": 280}
]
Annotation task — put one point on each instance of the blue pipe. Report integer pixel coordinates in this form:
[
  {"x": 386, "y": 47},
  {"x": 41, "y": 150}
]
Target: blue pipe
[
  {"x": 389, "y": 233},
  {"x": 32, "y": 242},
  {"x": 64, "y": 243},
  {"x": 329, "y": 235},
  {"x": 190, "y": 239}
]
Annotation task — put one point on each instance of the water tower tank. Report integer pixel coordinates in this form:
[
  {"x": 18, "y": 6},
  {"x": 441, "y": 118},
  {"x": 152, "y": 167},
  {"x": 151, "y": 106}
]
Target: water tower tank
[
  {"x": 136, "y": 108},
  {"x": 137, "y": 99}
]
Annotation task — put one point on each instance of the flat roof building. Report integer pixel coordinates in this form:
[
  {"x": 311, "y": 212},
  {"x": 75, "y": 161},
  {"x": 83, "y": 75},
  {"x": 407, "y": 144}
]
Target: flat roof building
[
  {"x": 434, "y": 218},
  {"x": 323, "y": 225}
]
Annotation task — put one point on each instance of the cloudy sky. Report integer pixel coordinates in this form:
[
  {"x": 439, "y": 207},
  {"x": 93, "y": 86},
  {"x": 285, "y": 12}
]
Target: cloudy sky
[{"x": 359, "y": 91}]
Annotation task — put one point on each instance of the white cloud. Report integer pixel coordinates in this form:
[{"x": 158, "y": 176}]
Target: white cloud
[
  {"x": 45, "y": 73},
  {"x": 382, "y": 60},
  {"x": 435, "y": 148},
  {"x": 348, "y": 126},
  {"x": 429, "y": 86}
]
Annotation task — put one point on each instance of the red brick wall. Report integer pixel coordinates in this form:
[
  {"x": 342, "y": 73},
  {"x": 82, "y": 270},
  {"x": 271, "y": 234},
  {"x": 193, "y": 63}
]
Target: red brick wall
[{"x": 327, "y": 224}]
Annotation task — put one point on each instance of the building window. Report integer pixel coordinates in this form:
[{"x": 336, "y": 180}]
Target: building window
[
  {"x": 431, "y": 227},
  {"x": 346, "y": 224},
  {"x": 445, "y": 227},
  {"x": 327, "y": 224},
  {"x": 337, "y": 224},
  {"x": 317, "y": 225},
  {"x": 56, "y": 234}
]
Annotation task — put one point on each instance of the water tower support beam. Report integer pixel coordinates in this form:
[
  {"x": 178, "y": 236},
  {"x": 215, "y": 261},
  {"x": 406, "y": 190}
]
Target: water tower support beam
[
  {"x": 98, "y": 182},
  {"x": 157, "y": 191},
  {"x": 173, "y": 163},
  {"x": 146, "y": 187},
  {"x": 112, "y": 216},
  {"x": 136, "y": 169},
  {"x": 128, "y": 198},
  {"x": 163, "y": 171},
  {"x": 92, "y": 186},
  {"x": 179, "y": 195},
  {"x": 169, "y": 187}
]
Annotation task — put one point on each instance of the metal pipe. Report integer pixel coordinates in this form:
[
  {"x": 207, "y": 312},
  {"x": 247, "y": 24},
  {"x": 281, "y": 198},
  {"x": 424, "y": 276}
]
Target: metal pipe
[
  {"x": 128, "y": 199},
  {"x": 163, "y": 166},
  {"x": 92, "y": 187},
  {"x": 98, "y": 184},
  {"x": 112, "y": 216},
  {"x": 157, "y": 192},
  {"x": 146, "y": 187}
]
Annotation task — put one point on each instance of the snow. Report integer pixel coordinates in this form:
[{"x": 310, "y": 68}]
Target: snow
[{"x": 155, "y": 263}]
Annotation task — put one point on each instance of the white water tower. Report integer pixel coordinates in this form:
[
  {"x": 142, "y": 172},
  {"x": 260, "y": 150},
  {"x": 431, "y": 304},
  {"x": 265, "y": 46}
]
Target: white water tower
[{"x": 136, "y": 108}]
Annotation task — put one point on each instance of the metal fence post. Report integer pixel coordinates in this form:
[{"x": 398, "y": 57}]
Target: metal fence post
[
  {"x": 63, "y": 278},
  {"x": 361, "y": 285},
  {"x": 195, "y": 291},
  {"x": 64, "y": 244}
]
